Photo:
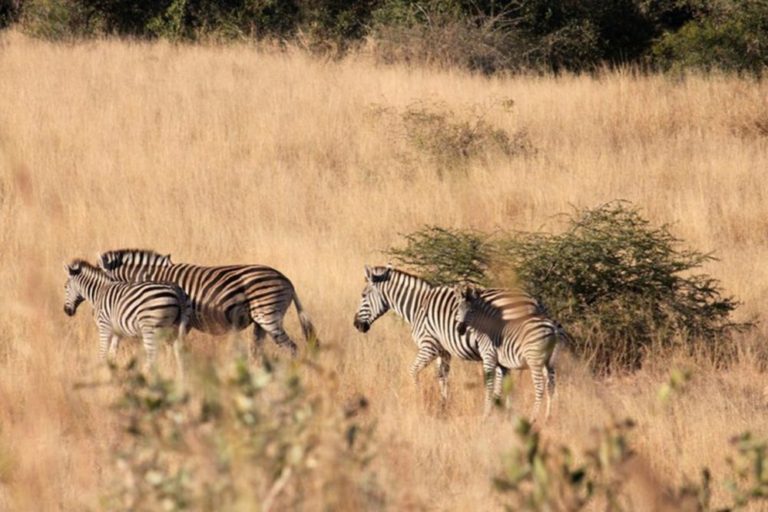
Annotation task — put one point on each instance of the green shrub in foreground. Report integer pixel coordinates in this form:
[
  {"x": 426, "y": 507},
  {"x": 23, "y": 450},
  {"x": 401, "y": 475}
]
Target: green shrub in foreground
[
  {"x": 245, "y": 438},
  {"x": 537, "y": 476}
]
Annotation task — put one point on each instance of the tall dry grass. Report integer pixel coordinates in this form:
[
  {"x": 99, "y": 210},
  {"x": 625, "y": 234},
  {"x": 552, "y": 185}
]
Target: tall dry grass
[{"x": 226, "y": 154}]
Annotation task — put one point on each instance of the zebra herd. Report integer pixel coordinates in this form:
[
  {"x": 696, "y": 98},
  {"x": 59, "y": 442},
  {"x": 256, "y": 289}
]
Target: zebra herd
[{"x": 140, "y": 293}]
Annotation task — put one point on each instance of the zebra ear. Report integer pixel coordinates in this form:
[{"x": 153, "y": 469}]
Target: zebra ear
[
  {"x": 368, "y": 273},
  {"x": 73, "y": 268}
]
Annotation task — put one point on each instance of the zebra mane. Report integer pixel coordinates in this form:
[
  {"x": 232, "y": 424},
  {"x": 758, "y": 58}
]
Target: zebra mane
[
  {"x": 397, "y": 272},
  {"x": 79, "y": 266},
  {"x": 110, "y": 260}
]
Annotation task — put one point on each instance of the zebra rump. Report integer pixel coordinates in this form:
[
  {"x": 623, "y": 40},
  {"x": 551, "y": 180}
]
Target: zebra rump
[{"x": 224, "y": 298}]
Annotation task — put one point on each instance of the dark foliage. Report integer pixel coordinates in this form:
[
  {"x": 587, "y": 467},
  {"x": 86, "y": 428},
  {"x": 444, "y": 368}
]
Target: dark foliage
[{"x": 485, "y": 36}]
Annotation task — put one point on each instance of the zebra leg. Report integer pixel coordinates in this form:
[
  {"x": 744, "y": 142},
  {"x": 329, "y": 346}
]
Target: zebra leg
[
  {"x": 150, "y": 347},
  {"x": 498, "y": 383},
  {"x": 114, "y": 344},
  {"x": 178, "y": 353},
  {"x": 443, "y": 368},
  {"x": 105, "y": 334},
  {"x": 280, "y": 337},
  {"x": 489, "y": 376},
  {"x": 257, "y": 342},
  {"x": 428, "y": 352},
  {"x": 539, "y": 377},
  {"x": 549, "y": 373},
  {"x": 490, "y": 365}
]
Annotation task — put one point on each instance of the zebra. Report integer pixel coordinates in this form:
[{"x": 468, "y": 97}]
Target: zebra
[
  {"x": 431, "y": 312},
  {"x": 147, "y": 310},
  {"x": 521, "y": 329},
  {"x": 224, "y": 298}
]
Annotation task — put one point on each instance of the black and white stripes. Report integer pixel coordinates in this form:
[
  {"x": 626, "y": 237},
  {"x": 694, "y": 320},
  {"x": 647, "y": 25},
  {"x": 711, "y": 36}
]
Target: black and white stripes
[
  {"x": 519, "y": 326},
  {"x": 224, "y": 298},
  {"x": 431, "y": 312},
  {"x": 149, "y": 310}
]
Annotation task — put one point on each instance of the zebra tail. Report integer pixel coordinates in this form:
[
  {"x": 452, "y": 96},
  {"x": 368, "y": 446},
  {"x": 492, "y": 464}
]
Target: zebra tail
[
  {"x": 564, "y": 342},
  {"x": 185, "y": 312},
  {"x": 310, "y": 335}
]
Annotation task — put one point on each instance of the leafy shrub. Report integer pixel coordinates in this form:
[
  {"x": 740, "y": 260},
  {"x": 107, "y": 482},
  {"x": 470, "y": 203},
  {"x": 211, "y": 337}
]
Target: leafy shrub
[
  {"x": 55, "y": 19},
  {"x": 446, "y": 34},
  {"x": 621, "y": 286},
  {"x": 733, "y": 36},
  {"x": 255, "y": 438},
  {"x": 333, "y": 26},
  {"x": 446, "y": 256},
  {"x": 537, "y": 476},
  {"x": 540, "y": 35},
  {"x": 452, "y": 141}
]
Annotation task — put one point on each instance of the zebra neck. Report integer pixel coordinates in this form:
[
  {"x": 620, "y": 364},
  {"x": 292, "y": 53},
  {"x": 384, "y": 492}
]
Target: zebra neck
[
  {"x": 93, "y": 285},
  {"x": 405, "y": 295}
]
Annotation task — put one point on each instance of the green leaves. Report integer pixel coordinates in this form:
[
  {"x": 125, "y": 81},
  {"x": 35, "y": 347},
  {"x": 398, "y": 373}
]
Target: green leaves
[
  {"x": 248, "y": 436},
  {"x": 446, "y": 256},
  {"x": 621, "y": 286},
  {"x": 537, "y": 476}
]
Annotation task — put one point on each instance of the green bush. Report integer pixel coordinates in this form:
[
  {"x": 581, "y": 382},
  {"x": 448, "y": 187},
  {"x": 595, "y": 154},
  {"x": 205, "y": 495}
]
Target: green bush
[
  {"x": 447, "y": 34},
  {"x": 446, "y": 256},
  {"x": 621, "y": 286},
  {"x": 733, "y": 36},
  {"x": 536, "y": 476},
  {"x": 247, "y": 438},
  {"x": 452, "y": 141},
  {"x": 56, "y": 19}
]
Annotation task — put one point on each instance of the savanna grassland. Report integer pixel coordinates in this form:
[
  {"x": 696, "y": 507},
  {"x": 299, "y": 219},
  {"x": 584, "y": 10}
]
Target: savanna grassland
[{"x": 229, "y": 154}]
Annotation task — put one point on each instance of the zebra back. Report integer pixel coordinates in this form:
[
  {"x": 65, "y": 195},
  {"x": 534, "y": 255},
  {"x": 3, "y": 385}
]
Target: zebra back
[
  {"x": 223, "y": 297},
  {"x": 493, "y": 310}
]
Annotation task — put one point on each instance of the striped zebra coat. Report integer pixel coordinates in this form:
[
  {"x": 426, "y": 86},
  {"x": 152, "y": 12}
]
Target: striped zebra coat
[
  {"x": 431, "y": 312},
  {"x": 149, "y": 310},
  {"x": 224, "y": 298},
  {"x": 519, "y": 326}
]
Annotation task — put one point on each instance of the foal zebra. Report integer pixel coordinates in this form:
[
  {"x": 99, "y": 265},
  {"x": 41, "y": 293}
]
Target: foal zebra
[
  {"x": 147, "y": 310},
  {"x": 224, "y": 298},
  {"x": 519, "y": 327},
  {"x": 431, "y": 312}
]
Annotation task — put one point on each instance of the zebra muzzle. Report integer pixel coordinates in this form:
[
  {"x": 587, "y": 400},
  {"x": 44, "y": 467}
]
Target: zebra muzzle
[
  {"x": 69, "y": 310},
  {"x": 361, "y": 326}
]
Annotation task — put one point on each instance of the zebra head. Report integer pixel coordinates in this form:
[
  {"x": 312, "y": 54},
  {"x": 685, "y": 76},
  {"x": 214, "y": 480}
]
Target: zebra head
[
  {"x": 72, "y": 294},
  {"x": 373, "y": 303},
  {"x": 466, "y": 296}
]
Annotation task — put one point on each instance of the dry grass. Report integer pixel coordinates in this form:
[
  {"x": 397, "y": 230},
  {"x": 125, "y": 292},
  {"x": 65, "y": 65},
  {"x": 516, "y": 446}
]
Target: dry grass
[{"x": 229, "y": 155}]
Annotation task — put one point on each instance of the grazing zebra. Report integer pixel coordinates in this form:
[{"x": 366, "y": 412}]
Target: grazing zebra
[
  {"x": 520, "y": 328},
  {"x": 431, "y": 312},
  {"x": 224, "y": 298},
  {"x": 148, "y": 310}
]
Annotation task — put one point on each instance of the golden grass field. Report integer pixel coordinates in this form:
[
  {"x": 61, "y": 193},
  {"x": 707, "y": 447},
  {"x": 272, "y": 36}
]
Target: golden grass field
[{"x": 231, "y": 155}]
